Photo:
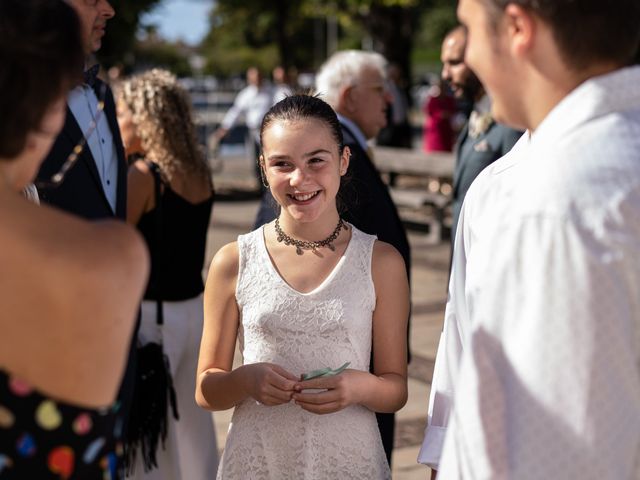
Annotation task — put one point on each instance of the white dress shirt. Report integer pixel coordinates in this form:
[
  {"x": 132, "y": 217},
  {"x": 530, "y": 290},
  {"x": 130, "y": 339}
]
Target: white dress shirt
[
  {"x": 355, "y": 130},
  {"x": 253, "y": 103},
  {"x": 545, "y": 301},
  {"x": 83, "y": 103},
  {"x": 460, "y": 304}
]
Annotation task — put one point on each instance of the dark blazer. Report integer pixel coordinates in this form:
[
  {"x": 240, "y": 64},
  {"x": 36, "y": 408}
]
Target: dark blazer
[
  {"x": 365, "y": 202},
  {"x": 473, "y": 155},
  {"x": 81, "y": 191}
]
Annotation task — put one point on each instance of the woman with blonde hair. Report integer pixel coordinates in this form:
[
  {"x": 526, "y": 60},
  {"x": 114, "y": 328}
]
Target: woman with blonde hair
[{"x": 170, "y": 196}]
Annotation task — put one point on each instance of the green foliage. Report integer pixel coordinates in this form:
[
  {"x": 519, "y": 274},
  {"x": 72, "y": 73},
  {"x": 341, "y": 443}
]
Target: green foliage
[
  {"x": 156, "y": 53},
  {"x": 118, "y": 44},
  {"x": 435, "y": 24},
  {"x": 267, "y": 33}
]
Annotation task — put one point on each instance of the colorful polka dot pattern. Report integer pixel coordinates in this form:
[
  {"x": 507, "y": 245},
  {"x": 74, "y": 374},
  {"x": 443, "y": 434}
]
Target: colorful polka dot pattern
[{"x": 43, "y": 438}]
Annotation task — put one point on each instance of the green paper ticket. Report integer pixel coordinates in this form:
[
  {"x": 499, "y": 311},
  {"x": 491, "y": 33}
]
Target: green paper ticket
[{"x": 324, "y": 372}]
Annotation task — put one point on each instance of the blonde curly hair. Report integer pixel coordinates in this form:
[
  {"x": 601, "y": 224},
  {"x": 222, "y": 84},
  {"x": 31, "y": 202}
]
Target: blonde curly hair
[{"x": 161, "y": 112}]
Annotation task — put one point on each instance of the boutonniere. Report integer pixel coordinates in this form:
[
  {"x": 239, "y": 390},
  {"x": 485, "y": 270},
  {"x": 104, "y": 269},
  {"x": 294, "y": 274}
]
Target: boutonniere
[
  {"x": 479, "y": 123},
  {"x": 481, "y": 146}
]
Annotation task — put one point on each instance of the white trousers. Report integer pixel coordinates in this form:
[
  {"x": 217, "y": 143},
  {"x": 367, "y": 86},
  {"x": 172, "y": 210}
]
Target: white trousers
[{"x": 190, "y": 451}]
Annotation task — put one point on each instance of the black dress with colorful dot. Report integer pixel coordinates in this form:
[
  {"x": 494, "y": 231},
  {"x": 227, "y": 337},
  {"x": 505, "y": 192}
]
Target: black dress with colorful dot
[{"x": 42, "y": 438}]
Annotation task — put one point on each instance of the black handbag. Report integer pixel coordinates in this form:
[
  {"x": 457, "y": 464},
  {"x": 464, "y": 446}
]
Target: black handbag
[{"x": 153, "y": 391}]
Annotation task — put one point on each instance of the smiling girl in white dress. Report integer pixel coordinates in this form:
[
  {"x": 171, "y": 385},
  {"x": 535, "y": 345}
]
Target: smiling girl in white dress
[{"x": 305, "y": 292}]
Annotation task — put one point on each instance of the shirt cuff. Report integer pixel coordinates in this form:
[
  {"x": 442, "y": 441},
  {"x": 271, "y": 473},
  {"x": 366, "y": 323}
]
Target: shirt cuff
[{"x": 432, "y": 446}]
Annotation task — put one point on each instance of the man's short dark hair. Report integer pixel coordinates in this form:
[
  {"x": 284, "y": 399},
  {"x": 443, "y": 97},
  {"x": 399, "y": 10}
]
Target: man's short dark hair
[
  {"x": 40, "y": 59},
  {"x": 586, "y": 31}
]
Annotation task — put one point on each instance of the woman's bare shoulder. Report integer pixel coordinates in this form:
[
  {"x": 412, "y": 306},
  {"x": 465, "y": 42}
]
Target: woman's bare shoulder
[
  {"x": 69, "y": 250},
  {"x": 226, "y": 261},
  {"x": 387, "y": 264},
  {"x": 72, "y": 279}
]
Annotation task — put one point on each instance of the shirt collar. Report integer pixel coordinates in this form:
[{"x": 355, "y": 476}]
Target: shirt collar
[
  {"x": 617, "y": 91},
  {"x": 353, "y": 128}
]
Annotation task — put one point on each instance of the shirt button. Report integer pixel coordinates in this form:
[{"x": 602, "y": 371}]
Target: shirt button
[
  {"x": 103, "y": 140},
  {"x": 108, "y": 182}
]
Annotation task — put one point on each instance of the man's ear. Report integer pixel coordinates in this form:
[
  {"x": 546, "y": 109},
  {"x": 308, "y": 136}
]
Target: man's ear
[
  {"x": 346, "y": 99},
  {"x": 520, "y": 26}
]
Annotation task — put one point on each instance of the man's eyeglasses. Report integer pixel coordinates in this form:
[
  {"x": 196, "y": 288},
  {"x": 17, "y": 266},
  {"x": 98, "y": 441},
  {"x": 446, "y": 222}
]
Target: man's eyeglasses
[
  {"x": 57, "y": 179},
  {"x": 381, "y": 87}
]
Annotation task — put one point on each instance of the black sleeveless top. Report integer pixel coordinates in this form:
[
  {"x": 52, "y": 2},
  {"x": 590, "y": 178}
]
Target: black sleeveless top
[
  {"x": 177, "y": 273},
  {"x": 42, "y": 438}
]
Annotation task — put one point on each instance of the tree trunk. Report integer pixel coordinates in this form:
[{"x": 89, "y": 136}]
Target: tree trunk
[{"x": 392, "y": 29}]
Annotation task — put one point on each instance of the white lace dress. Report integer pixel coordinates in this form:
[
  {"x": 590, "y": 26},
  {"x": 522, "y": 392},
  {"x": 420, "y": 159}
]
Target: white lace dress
[{"x": 302, "y": 332}]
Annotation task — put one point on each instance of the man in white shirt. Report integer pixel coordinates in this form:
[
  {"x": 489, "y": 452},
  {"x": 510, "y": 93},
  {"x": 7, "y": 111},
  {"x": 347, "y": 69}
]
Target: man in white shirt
[
  {"x": 481, "y": 142},
  {"x": 545, "y": 290},
  {"x": 251, "y": 103}
]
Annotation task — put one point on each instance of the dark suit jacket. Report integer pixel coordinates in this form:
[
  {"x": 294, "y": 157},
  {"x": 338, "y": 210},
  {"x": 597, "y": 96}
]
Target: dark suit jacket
[
  {"x": 473, "y": 155},
  {"x": 81, "y": 191},
  {"x": 365, "y": 202}
]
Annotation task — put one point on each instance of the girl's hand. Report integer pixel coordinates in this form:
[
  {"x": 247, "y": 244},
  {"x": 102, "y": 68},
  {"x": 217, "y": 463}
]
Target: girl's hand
[
  {"x": 342, "y": 390},
  {"x": 269, "y": 384}
]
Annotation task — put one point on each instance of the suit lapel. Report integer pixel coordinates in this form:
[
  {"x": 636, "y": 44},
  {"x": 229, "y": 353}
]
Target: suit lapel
[
  {"x": 459, "y": 156},
  {"x": 121, "y": 186},
  {"x": 74, "y": 134}
]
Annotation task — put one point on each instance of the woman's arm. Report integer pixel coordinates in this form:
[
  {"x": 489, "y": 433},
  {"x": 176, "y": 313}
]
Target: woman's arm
[
  {"x": 218, "y": 387},
  {"x": 386, "y": 389},
  {"x": 140, "y": 191}
]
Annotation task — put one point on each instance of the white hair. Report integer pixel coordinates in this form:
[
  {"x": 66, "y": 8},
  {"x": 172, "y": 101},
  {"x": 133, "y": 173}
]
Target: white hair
[{"x": 344, "y": 69}]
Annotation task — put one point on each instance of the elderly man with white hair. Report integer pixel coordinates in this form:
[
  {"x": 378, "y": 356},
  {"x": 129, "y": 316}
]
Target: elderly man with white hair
[{"x": 353, "y": 83}]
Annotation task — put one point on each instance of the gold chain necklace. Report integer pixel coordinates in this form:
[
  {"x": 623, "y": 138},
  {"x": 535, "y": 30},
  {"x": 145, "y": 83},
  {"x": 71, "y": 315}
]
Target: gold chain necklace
[{"x": 313, "y": 246}]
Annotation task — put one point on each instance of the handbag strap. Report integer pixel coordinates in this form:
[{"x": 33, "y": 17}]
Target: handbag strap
[{"x": 157, "y": 247}]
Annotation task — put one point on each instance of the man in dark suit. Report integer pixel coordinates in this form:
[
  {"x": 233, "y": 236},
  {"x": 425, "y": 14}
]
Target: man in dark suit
[
  {"x": 96, "y": 186},
  {"x": 482, "y": 141},
  {"x": 353, "y": 83}
]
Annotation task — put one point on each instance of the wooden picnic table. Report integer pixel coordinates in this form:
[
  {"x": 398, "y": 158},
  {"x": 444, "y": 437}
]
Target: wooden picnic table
[
  {"x": 403, "y": 161},
  {"x": 430, "y": 195}
]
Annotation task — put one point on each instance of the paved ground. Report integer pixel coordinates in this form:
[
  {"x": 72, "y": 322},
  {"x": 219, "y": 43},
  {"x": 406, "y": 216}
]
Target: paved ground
[{"x": 234, "y": 213}]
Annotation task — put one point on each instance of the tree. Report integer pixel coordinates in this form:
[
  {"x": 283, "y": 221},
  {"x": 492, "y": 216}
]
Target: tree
[
  {"x": 118, "y": 44},
  {"x": 275, "y": 28},
  {"x": 297, "y": 27}
]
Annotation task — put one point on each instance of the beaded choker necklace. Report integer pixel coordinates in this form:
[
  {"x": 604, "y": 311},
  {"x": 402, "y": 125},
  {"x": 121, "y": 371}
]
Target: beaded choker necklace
[{"x": 313, "y": 246}]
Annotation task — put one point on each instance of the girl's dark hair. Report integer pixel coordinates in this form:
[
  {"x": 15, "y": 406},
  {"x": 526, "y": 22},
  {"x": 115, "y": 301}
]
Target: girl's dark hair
[
  {"x": 303, "y": 106},
  {"x": 41, "y": 58}
]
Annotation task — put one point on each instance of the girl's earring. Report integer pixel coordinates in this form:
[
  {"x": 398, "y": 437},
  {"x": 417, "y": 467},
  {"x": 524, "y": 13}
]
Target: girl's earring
[
  {"x": 265, "y": 184},
  {"x": 263, "y": 176}
]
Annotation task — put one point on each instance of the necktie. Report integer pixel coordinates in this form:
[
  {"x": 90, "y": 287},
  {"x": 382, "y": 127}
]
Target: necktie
[{"x": 91, "y": 74}]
